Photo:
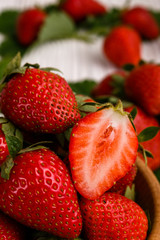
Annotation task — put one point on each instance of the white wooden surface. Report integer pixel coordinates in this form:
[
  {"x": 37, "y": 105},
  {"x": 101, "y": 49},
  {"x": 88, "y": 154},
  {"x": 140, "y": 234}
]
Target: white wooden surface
[{"x": 76, "y": 59}]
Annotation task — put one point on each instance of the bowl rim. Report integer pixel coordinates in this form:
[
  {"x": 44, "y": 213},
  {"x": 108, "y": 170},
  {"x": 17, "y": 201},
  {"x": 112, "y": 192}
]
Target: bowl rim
[{"x": 154, "y": 186}]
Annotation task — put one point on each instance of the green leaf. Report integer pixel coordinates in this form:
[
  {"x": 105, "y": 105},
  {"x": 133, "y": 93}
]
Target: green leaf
[
  {"x": 148, "y": 153},
  {"x": 83, "y": 87},
  {"x": 133, "y": 113},
  {"x": 130, "y": 192},
  {"x": 6, "y": 168},
  {"x": 14, "y": 145},
  {"x": 101, "y": 24},
  {"x": 13, "y": 67},
  {"x": 143, "y": 152},
  {"x": 13, "y": 64},
  {"x": 156, "y": 15},
  {"x": 13, "y": 137},
  {"x": 51, "y": 7},
  {"x": 148, "y": 133},
  {"x": 35, "y": 146},
  {"x": 8, "y": 22},
  {"x": 57, "y": 25},
  {"x": 49, "y": 69},
  {"x": 3, "y": 65},
  {"x": 9, "y": 48},
  {"x": 35, "y": 65},
  {"x": 128, "y": 67}
]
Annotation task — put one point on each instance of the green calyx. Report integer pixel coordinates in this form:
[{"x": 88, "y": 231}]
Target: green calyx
[
  {"x": 13, "y": 136},
  {"x": 14, "y": 66},
  {"x": 14, "y": 140}
]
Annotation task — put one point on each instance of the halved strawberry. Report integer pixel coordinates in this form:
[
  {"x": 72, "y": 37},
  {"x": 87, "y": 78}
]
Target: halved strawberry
[{"x": 103, "y": 147}]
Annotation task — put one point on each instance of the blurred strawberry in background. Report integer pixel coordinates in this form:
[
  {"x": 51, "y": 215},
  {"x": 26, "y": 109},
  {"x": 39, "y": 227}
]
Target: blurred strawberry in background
[
  {"x": 110, "y": 85},
  {"x": 142, "y": 86},
  {"x": 79, "y": 9},
  {"x": 142, "y": 20},
  {"x": 122, "y": 46},
  {"x": 28, "y": 25}
]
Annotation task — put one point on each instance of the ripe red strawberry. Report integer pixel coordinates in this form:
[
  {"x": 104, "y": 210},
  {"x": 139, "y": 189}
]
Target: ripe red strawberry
[
  {"x": 39, "y": 101},
  {"x": 142, "y": 86},
  {"x": 28, "y": 25},
  {"x": 4, "y": 152},
  {"x": 102, "y": 149},
  {"x": 142, "y": 121},
  {"x": 109, "y": 85},
  {"x": 121, "y": 185},
  {"x": 142, "y": 20},
  {"x": 122, "y": 46},
  {"x": 40, "y": 194},
  {"x": 113, "y": 216},
  {"x": 10, "y": 229},
  {"x": 79, "y": 9}
]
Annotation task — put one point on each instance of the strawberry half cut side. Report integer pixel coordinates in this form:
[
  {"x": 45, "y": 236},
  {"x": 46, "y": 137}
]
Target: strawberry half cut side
[{"x": 103, "y": 148}]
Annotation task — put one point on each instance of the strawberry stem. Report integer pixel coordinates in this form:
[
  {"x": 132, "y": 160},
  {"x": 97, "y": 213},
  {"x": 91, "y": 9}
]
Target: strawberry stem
[{"x": 119, "y": 106}]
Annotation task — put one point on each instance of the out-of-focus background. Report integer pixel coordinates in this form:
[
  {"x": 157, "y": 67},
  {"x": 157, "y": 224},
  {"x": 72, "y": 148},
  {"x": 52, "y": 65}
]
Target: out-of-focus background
[{"x": 78, "y": 59}]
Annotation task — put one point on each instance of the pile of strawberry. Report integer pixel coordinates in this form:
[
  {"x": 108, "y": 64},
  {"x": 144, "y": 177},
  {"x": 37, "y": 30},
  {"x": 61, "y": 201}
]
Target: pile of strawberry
[
  {"x": 30, "y": 21},
  {"x": 72, "y": 183}
]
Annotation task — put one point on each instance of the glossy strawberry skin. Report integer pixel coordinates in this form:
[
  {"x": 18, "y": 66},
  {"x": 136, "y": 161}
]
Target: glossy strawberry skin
[
  {"x": 142, "y": 20},
  {"x": 113, "y": 216},
  {"x": 39, "y": 101},
  {"x": 40, "y": 194},
  {"x": 28, "y": 25},
  {"x": 10, "y": 229},
  {"x": 100, "y": 144},
  {"x": 142, "y": 121},
  {"x": 121, "y": 185},
  {"x": 122, "y": 46},
  {"x": 4, "y": 152},
  {"x": 142, "y": 86},
  {"x": 79, "y": 9}
]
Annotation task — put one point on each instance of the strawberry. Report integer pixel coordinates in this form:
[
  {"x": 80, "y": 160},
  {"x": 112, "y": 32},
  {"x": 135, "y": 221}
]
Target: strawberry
[
  {"x": 142, "y": 121},
  {"x": 142, "y": 86},
  {"x": 142, "y": 20},
  {"x": 4, "y": 152},
  {"x": 40, "y": 194},
  {"x": 10, "y": 229},
  {"x": 28, "y": 25},
  {"x": 79, "y": 9},
  {"x": 102, "y": 149},
  {"x": 109, "y": 85},
  {"x": 122, "y": 46},
  {"x": 39, "y": 101},
  {"x": 113, "y": 216},
  {"x": 121, "y": 185}
]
